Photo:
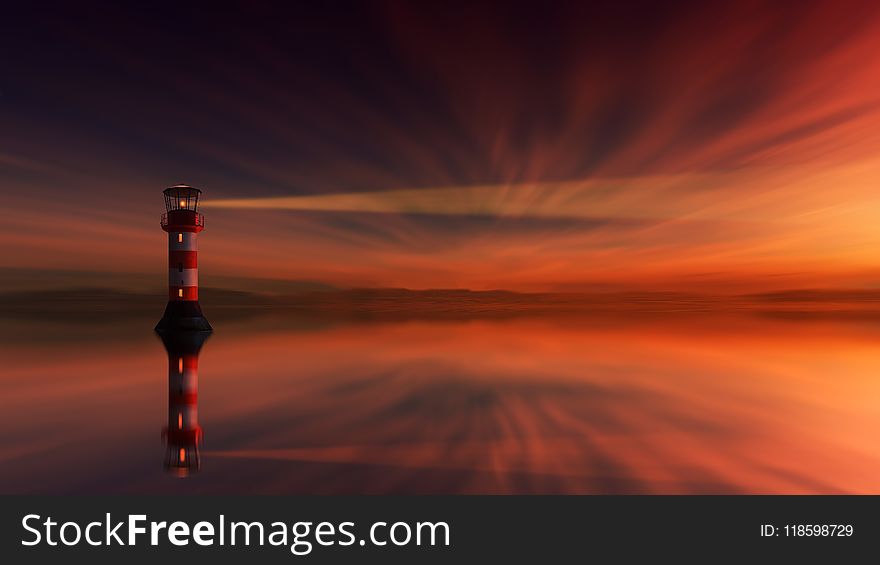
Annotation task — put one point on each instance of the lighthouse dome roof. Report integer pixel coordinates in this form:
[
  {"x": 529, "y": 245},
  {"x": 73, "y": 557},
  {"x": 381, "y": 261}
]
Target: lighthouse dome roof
[{"x": 178, "y": 189}]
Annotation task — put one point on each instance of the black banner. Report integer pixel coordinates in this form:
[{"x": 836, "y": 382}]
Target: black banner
[{"x": 462, "y": 529}]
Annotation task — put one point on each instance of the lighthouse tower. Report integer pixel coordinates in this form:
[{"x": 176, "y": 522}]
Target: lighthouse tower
[
  {"x": 183, "y": 434},
  {"x": 183, "y": 223}
]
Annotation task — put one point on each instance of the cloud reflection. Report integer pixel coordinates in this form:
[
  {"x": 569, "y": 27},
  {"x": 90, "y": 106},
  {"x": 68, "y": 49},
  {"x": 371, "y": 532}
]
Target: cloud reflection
[{"x": 532, "y": 407}]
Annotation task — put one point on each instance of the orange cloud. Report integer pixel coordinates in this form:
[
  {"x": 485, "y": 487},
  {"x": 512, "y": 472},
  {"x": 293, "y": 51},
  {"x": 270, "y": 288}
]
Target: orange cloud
[{"x": 732, "y": 147}]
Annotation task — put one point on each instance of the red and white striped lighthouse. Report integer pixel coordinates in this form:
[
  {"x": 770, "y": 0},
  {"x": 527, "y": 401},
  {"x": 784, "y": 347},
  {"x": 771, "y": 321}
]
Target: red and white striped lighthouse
[
  {"x": 183, "y": 223},
  {"x": 183, "y": 434}
]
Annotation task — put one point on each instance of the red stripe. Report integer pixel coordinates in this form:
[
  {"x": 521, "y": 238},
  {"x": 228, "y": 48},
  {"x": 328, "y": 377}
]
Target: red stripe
[
  {"x": 189, "y": 293},
  {"x": 179, "y": 437},
  {"x": 175, "y": 229},
  {"x": 178, "y": 399},
  {"x": 187, "y": 259}
]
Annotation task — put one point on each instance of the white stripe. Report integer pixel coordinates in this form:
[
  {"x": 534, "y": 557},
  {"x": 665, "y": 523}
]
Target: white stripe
[
  {"x": 187, "y": 382},
  {"x": 189, "y": 419},
  {"x": 186, "y": 277},
  {"x": 189, "y": 243}
]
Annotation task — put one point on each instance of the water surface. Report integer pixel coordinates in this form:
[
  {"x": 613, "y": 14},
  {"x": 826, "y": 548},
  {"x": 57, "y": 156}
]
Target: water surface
[{"x": 631, "y": 403}]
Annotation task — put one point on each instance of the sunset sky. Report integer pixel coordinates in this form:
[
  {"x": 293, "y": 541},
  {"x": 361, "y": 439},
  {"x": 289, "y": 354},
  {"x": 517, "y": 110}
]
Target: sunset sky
[{"x": 537, "y": 146}]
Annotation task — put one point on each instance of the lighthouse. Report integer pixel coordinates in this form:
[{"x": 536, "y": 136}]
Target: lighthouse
[
  {"x": 183, "y": 434},
  {"x": 183, "y": 223}
]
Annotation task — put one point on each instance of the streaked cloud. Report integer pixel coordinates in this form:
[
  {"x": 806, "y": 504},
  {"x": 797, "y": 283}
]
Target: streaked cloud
[{"x": 572, "y": 145}]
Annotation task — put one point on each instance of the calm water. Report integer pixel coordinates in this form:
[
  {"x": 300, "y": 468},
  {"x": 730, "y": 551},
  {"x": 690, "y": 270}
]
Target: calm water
[{"x": 526, "y": 405}]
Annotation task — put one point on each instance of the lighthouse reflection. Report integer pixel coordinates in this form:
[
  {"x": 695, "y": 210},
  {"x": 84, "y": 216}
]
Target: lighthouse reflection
[{"x": 182, "y": 434}]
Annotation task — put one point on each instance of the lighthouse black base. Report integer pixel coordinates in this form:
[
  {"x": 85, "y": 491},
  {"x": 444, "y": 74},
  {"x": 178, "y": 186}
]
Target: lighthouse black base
[{"x": 183, "y": 316}]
